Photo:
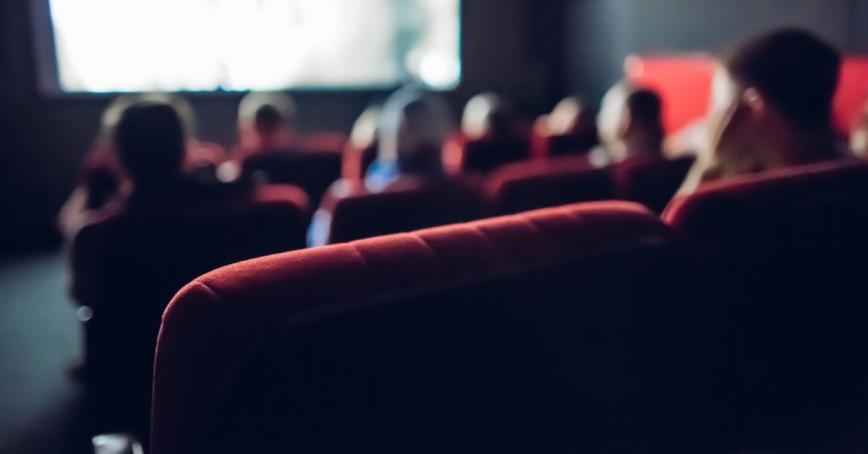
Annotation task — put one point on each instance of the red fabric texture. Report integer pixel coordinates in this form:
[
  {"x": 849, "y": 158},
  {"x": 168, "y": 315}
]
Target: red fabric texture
[{"x": 214, "y": 321}]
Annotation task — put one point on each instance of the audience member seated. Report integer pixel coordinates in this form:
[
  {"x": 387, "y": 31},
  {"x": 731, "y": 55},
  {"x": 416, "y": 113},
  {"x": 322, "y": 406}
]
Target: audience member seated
[
  {"x": 103, "y": 180},
  {"x": 490, "y": 137},
  {"x": 859, "y": 136},
  {"x": 266, "y": 121},
  {"x": 361, "y": 150},
  {"x": 634, "y": 141},
  {"x": 776, "y": 238},
  {"x": 166, "y": 229},
  {"x": 771, "y": 108},
  {"x": 270, "y": 150},
  {"x": 570, "y": 129},
  {"x": 406, "y": 187}
]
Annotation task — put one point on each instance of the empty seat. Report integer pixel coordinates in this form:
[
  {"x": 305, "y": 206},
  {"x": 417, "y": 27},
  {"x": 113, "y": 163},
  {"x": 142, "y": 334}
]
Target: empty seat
[
  {"x": 509, "y": 334},
  {"x": 650, "y": 181},
  {"x": 313, "y": 171},
  {"x": 486, "y": 154},
  {"x": 539, "y": 184},
  {"x": 781, "y": 344},
  {"x": 126, "y": 266},
  {"x": 411, "y": 204}
]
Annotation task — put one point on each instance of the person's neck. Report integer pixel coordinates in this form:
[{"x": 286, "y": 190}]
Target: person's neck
[
  {"x": 643, "y": 146},
  {"x": 800, "y": 148}
]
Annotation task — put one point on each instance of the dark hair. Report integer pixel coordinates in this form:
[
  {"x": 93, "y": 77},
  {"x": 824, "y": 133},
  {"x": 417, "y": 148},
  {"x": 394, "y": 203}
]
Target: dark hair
[
  {"x": 645, "y": 106},
  {"x": 150, "y": 140},
  {"x": 794, "y": 69},
  {"x": 267, "y": 119}
]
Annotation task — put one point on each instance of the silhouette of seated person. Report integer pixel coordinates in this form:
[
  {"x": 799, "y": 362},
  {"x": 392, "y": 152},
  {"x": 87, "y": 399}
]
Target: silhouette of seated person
[
  {"x": 102, "y": 177},
  {"x": 491, "y": 137},
  {"x": 150, "y": 142},
  {"x": 266, "y": 122},
  {"x": 771, "y": 107},
  {"x": 631, "y": 125},
  {"x": 569, "y": 129},
  {"x": 412, "y": 131},
  {"x": 270, "y": 149}
]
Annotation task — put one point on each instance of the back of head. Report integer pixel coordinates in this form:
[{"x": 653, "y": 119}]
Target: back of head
[
  {"x": 264, "y": 115},
  {"x": 644, "y": 109},
  {"x": 795, "y": 71},
  {"x": 485, "y": 114},
  {"x": 413, "y": 127},
  {"x": 267, "y": 110},
  {"x": 150, "y": 142}
]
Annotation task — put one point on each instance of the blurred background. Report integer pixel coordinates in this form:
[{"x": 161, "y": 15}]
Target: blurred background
[
  {"x": 531, "y": 52},
  {"x": 62, "y": 62}
]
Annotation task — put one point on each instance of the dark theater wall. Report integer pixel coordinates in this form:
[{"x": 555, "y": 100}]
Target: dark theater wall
[
  {"x": 42, "y": 141},
  {"x": 603, "y": 32}
]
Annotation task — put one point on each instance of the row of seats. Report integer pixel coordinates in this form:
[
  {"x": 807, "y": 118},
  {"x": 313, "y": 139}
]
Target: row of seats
[
  {"x": 358, "y": 213},
  {"x": 157, "y": 250},
  {"x": 736, "y": 320}
]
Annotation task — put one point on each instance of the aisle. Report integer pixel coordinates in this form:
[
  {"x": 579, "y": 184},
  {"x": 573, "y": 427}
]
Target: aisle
[{"x": 41, "y": 407}]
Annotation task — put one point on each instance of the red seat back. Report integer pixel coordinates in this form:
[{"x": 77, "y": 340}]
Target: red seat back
[
  {"x": 410, "y": 205},
  {"x": 781, "y": 297},
  {"x": 538, "y": 184},
  {"x": 313, "y": 171},
  {"x": 512, "y": 333},
  {"x": 652, "y": 182},
  {"x": 486, "y": 154}
]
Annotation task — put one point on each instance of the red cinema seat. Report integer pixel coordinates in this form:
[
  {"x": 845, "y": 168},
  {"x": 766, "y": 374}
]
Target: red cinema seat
[
  {"x": 780, "y": 307},
  {"x": 126, "y": 266},
  {"x": 650, "y": 181},
  {"x": 356, "y": 213},
  {"x": 539, "y": 184},
  {"x": 313, "y": 171},
  {"x": 508, "y": 334},
  {"x": 486, "y": 154}
]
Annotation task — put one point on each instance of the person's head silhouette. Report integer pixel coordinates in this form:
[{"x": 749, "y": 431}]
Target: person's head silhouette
[
  {"x": 413, "y": 127},
  {"x": 150, "y": 142},
  {"x": 772, "y": 103},
  {"x": 487, "y": 114},
  {"x": 266, "y": 120},
  {"x": 630, "y": 121}
]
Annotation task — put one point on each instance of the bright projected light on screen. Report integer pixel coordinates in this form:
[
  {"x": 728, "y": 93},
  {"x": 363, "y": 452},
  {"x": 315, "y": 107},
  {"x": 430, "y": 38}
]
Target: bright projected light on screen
[{"x": 204, "y": 45}]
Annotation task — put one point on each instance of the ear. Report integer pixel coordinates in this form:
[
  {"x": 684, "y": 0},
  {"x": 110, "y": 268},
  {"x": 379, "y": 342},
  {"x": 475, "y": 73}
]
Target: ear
[{"x": 755, "y": 102}]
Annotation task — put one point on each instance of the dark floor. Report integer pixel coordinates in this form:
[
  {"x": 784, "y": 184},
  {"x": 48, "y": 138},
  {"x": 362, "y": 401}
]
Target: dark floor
[{"x": 42, "y": 409}]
